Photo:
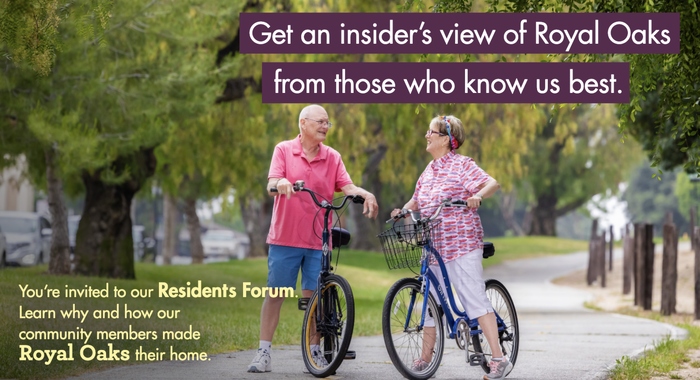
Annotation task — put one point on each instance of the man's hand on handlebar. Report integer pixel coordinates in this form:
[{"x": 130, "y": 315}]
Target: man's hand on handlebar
[
  {"x": 371, "y": 209},
  {"x": 284, "y": 187}
]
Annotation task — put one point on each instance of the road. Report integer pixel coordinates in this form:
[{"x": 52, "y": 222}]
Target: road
[{"x": 560, "y": 339}]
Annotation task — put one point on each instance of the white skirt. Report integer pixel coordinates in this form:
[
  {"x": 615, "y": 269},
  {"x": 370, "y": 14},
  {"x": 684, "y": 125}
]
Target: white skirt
[{"x": 466, "y": 278}]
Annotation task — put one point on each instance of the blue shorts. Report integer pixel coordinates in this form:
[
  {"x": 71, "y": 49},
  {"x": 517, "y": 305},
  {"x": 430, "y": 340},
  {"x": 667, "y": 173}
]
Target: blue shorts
[{"x": 283, "y": 265}]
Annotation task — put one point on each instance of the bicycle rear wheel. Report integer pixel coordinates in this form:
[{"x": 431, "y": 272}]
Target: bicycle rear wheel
[
  {"x": 334, "y": 332},
  {"x": 509, "y": 337},
  {"x": 404, "y": 342}
]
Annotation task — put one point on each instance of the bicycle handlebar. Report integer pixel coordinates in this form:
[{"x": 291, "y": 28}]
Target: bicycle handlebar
[
  {"x": 444, "y": 203},
  {"x": 325, "y": 204}
]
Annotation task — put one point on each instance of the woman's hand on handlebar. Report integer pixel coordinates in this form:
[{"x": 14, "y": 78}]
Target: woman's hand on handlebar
[
  {"x": 397, "y": 214},
  {"x": 474, "y": 202},
  {"x": 284, "y": 187}
]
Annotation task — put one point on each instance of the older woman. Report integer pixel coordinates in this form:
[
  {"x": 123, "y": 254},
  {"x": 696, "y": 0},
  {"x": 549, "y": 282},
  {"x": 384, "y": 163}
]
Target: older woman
[{"x": 458, "y": 177}]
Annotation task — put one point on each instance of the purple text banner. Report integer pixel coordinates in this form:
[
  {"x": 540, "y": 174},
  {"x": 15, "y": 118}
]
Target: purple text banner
[
  {"x": 498, "y": 33},
  {"x": 445, "y": 82}
]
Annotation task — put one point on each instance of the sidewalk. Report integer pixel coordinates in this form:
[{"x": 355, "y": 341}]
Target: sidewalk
[{"x": 559, "y": 338}]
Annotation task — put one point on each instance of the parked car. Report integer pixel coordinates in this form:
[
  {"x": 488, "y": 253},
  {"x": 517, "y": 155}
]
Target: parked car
[
  {"x": 220, "y": 243},
  {"x": 3, "y": 249},
  {"x": 28, "y": 236},
  {"x": 136, "y": 232}
]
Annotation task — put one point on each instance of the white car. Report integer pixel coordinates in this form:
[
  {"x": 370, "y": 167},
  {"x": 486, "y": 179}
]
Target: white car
[
  {"x": 220, "y": 243},
  {"x": 28, "y": 237}
]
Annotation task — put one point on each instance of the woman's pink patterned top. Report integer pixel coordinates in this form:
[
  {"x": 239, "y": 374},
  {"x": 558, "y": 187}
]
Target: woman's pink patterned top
[{"x": 457, "y": 177}]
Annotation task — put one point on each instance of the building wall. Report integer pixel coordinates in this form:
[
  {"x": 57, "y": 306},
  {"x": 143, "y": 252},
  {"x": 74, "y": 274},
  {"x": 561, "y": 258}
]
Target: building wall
[{"x": 16, "y": 193}]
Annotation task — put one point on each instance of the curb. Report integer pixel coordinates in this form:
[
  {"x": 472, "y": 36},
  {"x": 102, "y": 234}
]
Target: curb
[{"x": 675, "y": 333}]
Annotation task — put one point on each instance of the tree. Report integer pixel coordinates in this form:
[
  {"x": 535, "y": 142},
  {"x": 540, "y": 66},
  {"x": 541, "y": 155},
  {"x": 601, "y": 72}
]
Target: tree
[
  {"x": 30, "y": 29},
  {"x": 679, "y": 94},
  {"x": 649, "y": 201},
  {"x": 19, "y": 144},
  {"x": 570, "y": 161},
  {"x": 106, "y": 108}
]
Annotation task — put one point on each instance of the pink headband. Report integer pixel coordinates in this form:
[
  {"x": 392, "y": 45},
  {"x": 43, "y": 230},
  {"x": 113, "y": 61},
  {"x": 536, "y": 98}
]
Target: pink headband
[{"x": 453, "y": 141}]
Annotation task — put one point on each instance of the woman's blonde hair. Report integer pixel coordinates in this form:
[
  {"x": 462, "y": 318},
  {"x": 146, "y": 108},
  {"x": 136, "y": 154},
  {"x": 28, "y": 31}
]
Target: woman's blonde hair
[{"x": 456, "y": 128}]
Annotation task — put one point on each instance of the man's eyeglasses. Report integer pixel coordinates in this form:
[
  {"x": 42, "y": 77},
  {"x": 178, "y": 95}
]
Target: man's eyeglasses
[
  {"x": 431, "y": 132},
  {"x": 329, "y": 124}
]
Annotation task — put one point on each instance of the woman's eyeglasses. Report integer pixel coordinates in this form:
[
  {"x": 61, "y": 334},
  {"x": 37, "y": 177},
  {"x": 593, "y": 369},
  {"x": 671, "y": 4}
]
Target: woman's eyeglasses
[{"x": 431, "y": 132}]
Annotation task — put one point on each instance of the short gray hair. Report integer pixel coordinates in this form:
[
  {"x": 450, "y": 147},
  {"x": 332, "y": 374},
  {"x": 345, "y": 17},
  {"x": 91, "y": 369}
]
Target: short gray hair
[{"x": 305, "y": 113}]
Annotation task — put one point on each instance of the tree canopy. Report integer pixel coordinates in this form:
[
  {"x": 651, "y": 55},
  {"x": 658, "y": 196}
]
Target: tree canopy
[
  {"x": 30, "y": 29},
  {"x": 674, "y": 77},
  {"x": 108, "y": 103}
]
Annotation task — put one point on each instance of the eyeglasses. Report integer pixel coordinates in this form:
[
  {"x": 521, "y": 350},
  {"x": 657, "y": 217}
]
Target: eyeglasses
[
  {"x": 431, "y": 132},
  {"x": 329, "y": 124}
]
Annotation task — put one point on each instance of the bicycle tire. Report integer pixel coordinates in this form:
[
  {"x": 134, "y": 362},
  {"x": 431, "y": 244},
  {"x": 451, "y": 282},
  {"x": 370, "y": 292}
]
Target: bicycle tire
[
  {"x": 393, "y": 323},
  {"x": 336, "y": 300},
  {"x": 503, "y": 305}
]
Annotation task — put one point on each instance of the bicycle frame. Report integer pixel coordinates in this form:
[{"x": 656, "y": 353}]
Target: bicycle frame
[
  {"x": 448, "y": 305},
  {"x": 326, "y": 258}
]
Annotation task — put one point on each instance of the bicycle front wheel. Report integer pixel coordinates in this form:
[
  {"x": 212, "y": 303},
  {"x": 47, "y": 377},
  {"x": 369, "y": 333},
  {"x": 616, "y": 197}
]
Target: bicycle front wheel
[
  {"x": 327, "y": 326},
  {"x": 509, "y": 331},
  {"x": 416, "y": 353}
]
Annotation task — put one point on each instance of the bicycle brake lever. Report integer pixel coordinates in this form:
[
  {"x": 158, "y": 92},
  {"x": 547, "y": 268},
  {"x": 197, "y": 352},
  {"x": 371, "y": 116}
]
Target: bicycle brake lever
[{"x": 398, "y": 216}]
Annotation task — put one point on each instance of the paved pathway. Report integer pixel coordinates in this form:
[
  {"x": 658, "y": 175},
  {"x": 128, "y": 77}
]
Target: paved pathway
[{"x": 560, "y": 339}]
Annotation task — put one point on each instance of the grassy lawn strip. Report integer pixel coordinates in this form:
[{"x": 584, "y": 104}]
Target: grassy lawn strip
[
  {"x": 225, "y": 324},
  {"x": 667, "y": 356}
]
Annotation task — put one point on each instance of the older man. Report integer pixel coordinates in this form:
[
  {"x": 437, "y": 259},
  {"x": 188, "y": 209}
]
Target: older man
[{"x": 293, "y": 244}]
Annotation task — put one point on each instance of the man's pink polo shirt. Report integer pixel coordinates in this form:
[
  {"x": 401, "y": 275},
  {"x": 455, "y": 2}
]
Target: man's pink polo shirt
[{"x": 325, "y": 174}]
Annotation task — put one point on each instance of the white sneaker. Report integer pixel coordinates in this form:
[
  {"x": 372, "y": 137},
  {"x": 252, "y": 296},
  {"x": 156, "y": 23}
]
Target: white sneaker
[
  {"x": 318, "y": 359},
  {"x": 261, "y": 363}
]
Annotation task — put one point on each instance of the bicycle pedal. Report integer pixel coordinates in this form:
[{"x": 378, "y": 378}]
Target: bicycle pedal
[
  {"x": 476, "y": 359},
  {"x": 303, "y": 303},
  {"x": 350, "y": 355}
]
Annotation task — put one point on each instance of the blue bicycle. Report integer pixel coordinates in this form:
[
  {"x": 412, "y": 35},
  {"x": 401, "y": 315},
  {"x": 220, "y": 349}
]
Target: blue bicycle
[{"x": 409, "y": 301}]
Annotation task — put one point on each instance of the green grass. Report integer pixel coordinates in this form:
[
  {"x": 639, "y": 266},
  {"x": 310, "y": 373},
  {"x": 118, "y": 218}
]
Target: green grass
[
  {"x": 667, "y": 356},
  {"x": 506, "y": 249},
  {"x": 660, "y": 239},
  {"x": 225, "y": 324}
]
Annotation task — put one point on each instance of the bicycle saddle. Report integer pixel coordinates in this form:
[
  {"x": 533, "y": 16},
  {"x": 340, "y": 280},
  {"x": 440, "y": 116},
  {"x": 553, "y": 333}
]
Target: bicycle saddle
[
  {"x": 340, "y": 236},
  {"x": 489, "y": 249}
]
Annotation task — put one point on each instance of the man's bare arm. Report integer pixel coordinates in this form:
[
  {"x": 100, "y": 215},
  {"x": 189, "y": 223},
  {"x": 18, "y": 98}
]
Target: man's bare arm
[{"x": 371, "y": 208}]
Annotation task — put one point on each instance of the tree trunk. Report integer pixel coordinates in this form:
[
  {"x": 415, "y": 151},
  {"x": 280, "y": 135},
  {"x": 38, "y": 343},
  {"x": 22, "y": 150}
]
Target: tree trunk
[
  {"x": 627, "y": 267},
  {"x": 612, "y": 241},
  {"x": 195, "y": 230},
  {"x": 104, "y": 242},
  {"x": 544, "y": 216},
  {"x": 170, "y": 235},
  {"x": 696, "y": 237},
  {"x": 507, "y": 206},
  {"x": 601, "y": 258},
  {"x": 693, "y": 216},
  {"x": 527, "y": 220},
  {"x": 366, "y": 229},
  {"x": 591, "y": 274},
  {"x": 669, "y": 272},
  {"x": 257, "y": 216},
  {"x": 59, "y": 262}
]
